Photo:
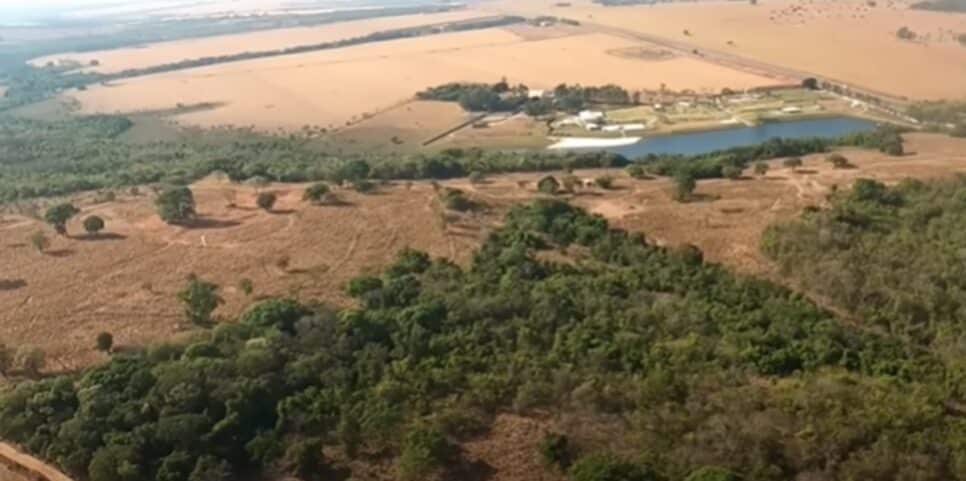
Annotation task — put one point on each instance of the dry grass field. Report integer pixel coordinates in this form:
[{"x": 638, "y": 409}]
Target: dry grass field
[
  {"x": 403, "y": 128},
  {"x": 126, "y": 282},
  {"x": 338, "y": 87},
  {"x": 841, "y": 39},
  {"x": 116, "y": 60}
]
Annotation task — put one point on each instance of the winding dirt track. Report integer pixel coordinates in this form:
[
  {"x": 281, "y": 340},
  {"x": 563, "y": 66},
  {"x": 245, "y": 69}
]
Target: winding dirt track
[{"x": 29, "y": 466}]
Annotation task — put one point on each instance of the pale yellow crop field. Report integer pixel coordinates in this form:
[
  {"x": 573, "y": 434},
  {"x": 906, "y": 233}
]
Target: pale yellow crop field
[
  {"x": 841, "y": 39},
  {"x": 333, "y": 87},
  {"x": 116, "y": 60}
]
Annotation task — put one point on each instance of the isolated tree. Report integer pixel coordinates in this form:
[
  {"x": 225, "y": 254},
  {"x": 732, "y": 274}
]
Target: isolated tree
[
  {"x": 93, "y": 225},
  {"x": 732, "y": 172},
  {"x": 58, "y": 215},
  {"x": 761, "y": 169},
  {"x": 317, "y": 193},
  {"x": 810, "y": 83},
  {"x": 793, "y": 162},
  {"x": 176, "y": 205},
  {"x": 684, "y": 185},
  {"x": 838, "y": 161},
  {"x": 266, "y": 200},
  {"x": 200, "y": 298},
  {"x": 40, "y": 241},
  {"x": 548, "y": 185},
  {"x": 105, "y": 341}
]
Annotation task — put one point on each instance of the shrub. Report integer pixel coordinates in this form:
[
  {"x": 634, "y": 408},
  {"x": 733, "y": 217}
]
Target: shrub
[
  {"x": 266, "y": 200},
  {"x": 477, "y": 177},
  {"x": 637, "y": 171},
  {"x": 605, "y": 182},
  {"x": 684, "y": 185},
  {"x": 58, "y": 215},
  {"x": 176, "y": 205},
  {"x": 363, "y": 186},
  {"x": 455, "y": 199},
  {"x": 281, "y": 314},
  {"x": 555, "y": 450},
  {"x": 424, "y": 451},
  {"x": 93, "y": 225},
  {"x": 548, "y": 185},
  {"x": 105, "y": 341},
  {"x": 793, "y": 162},
  {"x": 761, "y": 168},
  {"x": 246, "y": 286},
  {"x": 40, "y": 241},
  {"x": 731, "y": 172},
  {"x": 200, "y": 298},
  {"x": 317, "y": 193},
  {"x": 30, "y": 360},
  {"x": 838, "y": 161},
  {"x": 607, "y": 467}
]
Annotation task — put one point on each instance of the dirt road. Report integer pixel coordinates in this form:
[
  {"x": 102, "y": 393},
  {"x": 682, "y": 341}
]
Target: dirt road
[{"x": 28, "y": 466}]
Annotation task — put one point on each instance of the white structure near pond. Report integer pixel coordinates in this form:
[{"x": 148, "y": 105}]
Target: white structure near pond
[{"x": 590, "y": 118}]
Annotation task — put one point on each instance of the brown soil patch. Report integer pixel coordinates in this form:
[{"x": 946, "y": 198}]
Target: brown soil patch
[{"x": 509, "y": 452}]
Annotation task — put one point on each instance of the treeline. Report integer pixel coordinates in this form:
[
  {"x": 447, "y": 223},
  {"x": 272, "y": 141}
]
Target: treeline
[
  {"x": 941, "y": 5},
  {"x": 39, "y": 159},
  {"x": 27, "y": 84},
  {"x": 501, "y": 97},
  {"x": 370, "y": 38},
  {"x": 699, "y": 371},
  {"x": 886, "y": 139}
]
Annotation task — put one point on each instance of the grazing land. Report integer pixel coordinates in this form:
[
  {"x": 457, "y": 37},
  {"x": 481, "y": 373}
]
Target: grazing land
[
  {"x": 116, "y": 60},
  {"x": 83, "y": 286},
  {"x": 848, "y": 40},
  {"x": 290, "y": 96}
]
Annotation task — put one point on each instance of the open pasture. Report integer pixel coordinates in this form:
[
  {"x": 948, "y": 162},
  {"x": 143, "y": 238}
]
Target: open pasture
[
  {"x": 336, "y": 88},
  {"x": 847, "y": 40}
]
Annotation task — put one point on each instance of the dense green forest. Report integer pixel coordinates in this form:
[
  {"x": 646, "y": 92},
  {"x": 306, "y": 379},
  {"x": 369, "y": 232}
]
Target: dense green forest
[
  {"x": 891, "y": 255},
  {"x": 701, "y": 373}
]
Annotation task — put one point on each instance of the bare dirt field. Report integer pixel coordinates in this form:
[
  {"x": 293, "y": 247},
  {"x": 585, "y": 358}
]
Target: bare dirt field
[
  {"x": 841, "y": 39},
  {"x": 110, "y": 61},
  {"x": 126, "y": 282},
  {"x": 338, "y": 87}
]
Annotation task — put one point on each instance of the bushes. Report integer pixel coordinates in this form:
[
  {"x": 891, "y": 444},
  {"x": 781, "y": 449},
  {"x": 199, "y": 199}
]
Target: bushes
[
  {"x": 317, "y": 193},
  {"x": 607, "y": 467},
  {"x": 176, "y": 205},
  {"x": 424, "y": 451},
  {"x": 266, "y": 200},
  {"x": 555, "y": 451}
]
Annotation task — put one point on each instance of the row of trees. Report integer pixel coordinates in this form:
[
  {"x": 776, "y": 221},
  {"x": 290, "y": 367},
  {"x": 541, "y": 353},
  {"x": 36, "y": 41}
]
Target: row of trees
[{"x": 703, "y": 373}]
